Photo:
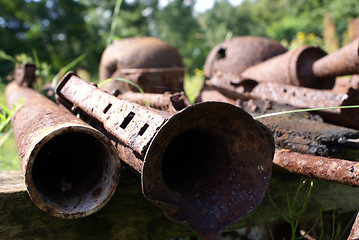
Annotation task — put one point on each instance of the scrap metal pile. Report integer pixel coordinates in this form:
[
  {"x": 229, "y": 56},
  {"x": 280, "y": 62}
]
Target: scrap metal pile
[{"x": 205, "y": 165}]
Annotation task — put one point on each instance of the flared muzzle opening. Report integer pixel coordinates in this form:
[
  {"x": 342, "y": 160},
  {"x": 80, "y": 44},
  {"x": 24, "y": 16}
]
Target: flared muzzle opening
[{"x": 208, "y": 166}]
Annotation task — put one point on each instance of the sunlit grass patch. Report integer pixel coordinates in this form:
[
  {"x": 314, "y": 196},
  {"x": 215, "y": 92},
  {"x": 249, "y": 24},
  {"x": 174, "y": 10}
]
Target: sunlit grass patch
[
  {"x": 9, "y": 159},
  {"x": 193, "y": 84}
]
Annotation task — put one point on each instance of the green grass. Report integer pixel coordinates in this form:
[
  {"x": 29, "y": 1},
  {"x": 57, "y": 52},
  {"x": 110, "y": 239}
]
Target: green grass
[
  {"x": 9, "y": 159},
  {"x": 192, "y": 85},
  {"x": 8, "y": 154}
]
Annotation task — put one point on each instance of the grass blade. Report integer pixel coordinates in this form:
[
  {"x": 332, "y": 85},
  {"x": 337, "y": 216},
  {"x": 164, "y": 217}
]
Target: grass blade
[
  {"x": 5, "y": 56},
  {"x": 5, "y": 137},
  {"x": 122, "y": 80},
  {"x": 303, "y": 110},
  {"x": 116, "y": 12},
  {"x": 66, "y": 69}
]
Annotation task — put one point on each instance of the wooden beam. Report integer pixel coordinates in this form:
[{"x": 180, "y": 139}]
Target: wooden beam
[{"x": 129, "y": 215}]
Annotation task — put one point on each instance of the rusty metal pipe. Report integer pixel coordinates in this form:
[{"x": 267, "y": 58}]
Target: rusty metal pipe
[
  {"x": 166, "y": 101},
  {"x": 330, "y": 169},
  {"x": 70, "y": 169},
  {"x": 205, "y": 166},
  {"x": 296, "y": 96},
  {"x": 345, "y": 61},
  {"x": 291, "y": 68}
]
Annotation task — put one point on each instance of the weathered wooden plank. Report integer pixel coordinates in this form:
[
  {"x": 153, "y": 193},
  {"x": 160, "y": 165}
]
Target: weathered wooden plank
[{"x": 129, "y": 216}]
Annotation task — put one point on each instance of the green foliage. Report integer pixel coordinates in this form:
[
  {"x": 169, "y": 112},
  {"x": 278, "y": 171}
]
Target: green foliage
[
  {"x": 193, "y": 84},
  {"x": 296, "y": 207},
  {"x": 60, "y": 30},
  {"x": 8, "y": 156},
  {"x": 288, "y": 26},
  {"x": 116, "y": 12},
  {"x": 66, "y": 69},
  {"x": 183, "y": 36},
  {"x": 223, "y": 19},
  {"x": 9, "y": 159},
  {"x": 5, "y": 114},
  {"x": 5, "y": 56}
]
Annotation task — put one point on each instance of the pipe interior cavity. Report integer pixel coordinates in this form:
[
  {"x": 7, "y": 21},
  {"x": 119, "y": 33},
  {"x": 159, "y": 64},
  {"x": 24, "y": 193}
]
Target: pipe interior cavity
[
  {"x": 195, "y": 162},
  {"x": 69, "y": 167}
]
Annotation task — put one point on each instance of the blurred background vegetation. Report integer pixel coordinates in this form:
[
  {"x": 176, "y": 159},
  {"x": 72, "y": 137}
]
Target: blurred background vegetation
[
  {"x": 54, "y": 33},
  {"x": 61, "y": 30}
]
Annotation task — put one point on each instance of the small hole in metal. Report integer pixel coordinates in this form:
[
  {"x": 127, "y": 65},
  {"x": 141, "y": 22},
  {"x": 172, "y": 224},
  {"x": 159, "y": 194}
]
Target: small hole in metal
[
  {"x": 143, "y": 129},
  {"x": 107, "y": 108},
  {"x": 221, "y": 53},
  {"x": 127, "y": 120}
]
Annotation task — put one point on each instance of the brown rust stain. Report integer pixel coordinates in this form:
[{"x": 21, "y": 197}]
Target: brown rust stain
[{"x": 97, "y": 192}]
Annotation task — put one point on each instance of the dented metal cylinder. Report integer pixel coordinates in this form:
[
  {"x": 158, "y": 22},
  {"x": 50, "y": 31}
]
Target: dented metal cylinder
[
  {"x": 70, "y": 169},
  {"x": 205, "y": 166},
  {"x": 345, "y": 61},
  {"x": 239, "y": 53},
  {"x": 147, "y": 61},
  {"x": 292, "y": 68}
]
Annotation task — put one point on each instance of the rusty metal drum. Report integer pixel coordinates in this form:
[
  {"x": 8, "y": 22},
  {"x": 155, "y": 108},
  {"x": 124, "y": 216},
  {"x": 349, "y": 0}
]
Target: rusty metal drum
[
  {"x": 147, "y": 61},
  {"x": 239, "y": 53}
]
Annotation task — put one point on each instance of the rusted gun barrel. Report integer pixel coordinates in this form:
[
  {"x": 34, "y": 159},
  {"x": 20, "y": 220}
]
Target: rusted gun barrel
[
  {"x": 345, "y": 61},
  {"x": 330, "y": 169},
  {"x": 70, "y": 169},
  {"x": 292, "y": 68},
  {"x": 296, "y": 96},
  {"x": 166, "y": 101},
  {"x": 205, "y": 166},
  {"x": 24, "y": 74}
]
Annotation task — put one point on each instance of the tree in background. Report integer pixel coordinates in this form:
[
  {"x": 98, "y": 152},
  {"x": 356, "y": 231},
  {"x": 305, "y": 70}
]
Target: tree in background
[
  {"x": 61, "y": 30},
  {"x": 176, "y": 25},
  {"x": 54, "y": 28}
]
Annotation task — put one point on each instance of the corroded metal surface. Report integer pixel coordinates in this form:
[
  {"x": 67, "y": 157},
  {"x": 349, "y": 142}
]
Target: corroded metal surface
[
  {"x": 330, "y": 169},
  {"x": 71, "y": 170},
  {"x": 151, "y": 63},
  {"x": 308, "y": 134},
  {"x": 355, "y": 28},
  {"x": 24, "y": 74},
  {"x": 210, "y": 94},
  {"x": 345, "y": 61},
  {"x": 291, "y": 68},
  {"x": 205, "y": 166},
  {"x": 239, "y": 53},
  {"x": 295, "y": 96},
  {"x": 354, "y": 82},
  {"x": 166, "y": 102}
]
